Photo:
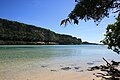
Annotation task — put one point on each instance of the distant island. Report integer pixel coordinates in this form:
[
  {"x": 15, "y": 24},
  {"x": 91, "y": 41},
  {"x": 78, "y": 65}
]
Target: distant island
[
  {"x": 89, "y": 43},
  {"x": 16, "y": 33}
]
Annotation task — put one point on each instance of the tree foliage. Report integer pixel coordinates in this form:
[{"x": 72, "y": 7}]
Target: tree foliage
[
  {"x": 92, "y": 9},
  {"x": 112, "y": 38},
  {"x": 97, "y": 10}
]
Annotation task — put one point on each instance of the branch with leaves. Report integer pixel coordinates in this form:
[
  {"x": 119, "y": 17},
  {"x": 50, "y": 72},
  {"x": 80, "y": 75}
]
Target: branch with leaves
[
  {"x": 92, "y": 9},
  {"x": 97, "y": 10}
]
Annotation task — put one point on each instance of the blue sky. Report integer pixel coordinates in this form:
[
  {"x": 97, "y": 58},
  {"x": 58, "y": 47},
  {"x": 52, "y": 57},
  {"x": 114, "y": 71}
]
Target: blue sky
[{"x": 49, "y": 13}]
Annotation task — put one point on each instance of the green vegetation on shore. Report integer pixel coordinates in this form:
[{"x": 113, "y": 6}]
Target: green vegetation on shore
[{"x": 12, "y": 32}]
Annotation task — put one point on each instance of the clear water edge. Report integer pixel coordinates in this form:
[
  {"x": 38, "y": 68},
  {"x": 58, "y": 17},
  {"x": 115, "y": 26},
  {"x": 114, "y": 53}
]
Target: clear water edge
[{"x": 19, "y": 57}]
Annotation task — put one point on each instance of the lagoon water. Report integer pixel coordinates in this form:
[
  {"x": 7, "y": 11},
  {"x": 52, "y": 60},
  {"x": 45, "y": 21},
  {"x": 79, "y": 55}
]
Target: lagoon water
[{"x": 31, "y": 58}]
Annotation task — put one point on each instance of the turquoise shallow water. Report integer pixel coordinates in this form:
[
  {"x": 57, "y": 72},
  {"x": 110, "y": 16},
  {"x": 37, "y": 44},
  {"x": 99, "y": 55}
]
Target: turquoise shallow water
[
  {"x": 55, "y": 51},
  {"x": 17, "y": 55}
]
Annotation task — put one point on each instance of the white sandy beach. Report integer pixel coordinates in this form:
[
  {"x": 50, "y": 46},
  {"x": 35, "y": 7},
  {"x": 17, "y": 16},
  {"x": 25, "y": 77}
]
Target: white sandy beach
[{"x": 37, "y": 71}]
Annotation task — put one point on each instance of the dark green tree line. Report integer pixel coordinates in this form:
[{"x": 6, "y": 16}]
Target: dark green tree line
[{"x": 15, "y": 31}]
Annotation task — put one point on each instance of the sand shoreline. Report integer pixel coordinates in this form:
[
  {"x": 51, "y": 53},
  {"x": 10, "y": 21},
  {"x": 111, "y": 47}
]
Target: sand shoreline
[
  {"x": 71, "y": 71},
  {"x": 36, "y": 70}
]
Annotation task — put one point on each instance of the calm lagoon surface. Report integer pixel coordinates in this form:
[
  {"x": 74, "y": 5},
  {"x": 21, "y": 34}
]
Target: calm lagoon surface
[{"x": 32, "y": 58}]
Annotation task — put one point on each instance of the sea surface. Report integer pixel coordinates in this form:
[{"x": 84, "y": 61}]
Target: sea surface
[{"x": 16, "y": 58}]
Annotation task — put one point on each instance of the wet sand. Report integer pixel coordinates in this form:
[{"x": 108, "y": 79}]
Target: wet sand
[
  {"x": 61, "y": 75},
  {"x": 49, "y": 75},
  {"x": 66, "y": 71}
]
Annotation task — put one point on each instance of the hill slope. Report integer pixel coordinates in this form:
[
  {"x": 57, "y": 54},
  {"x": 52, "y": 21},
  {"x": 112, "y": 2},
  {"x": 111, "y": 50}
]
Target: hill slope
[{"x": 12, "y": 32}]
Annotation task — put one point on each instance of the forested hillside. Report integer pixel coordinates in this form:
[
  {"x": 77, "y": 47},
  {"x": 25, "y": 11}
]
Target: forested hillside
[{"x": 12, "y": 32}]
